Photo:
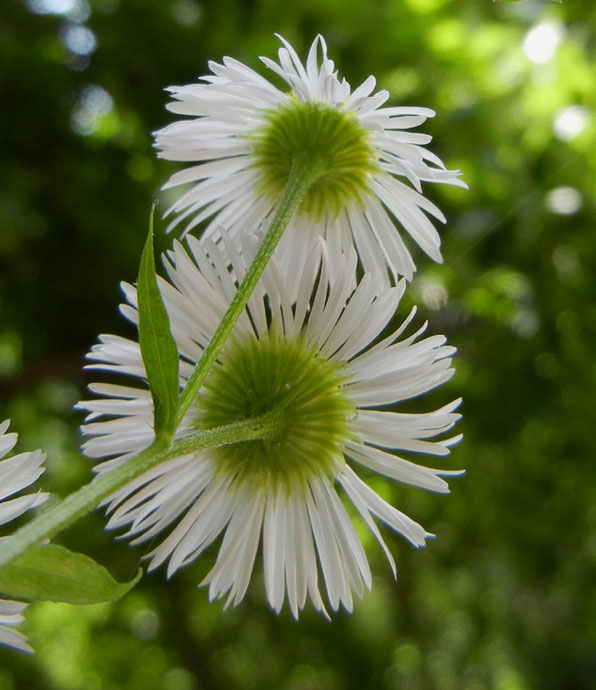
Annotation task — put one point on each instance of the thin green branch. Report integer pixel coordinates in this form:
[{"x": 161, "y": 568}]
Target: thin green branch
[
  {"x": 55, "y": 519},
  {"x": 302, "y": 175}
]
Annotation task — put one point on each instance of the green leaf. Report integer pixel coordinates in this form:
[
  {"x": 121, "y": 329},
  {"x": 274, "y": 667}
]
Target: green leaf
[
  {"x": 53, "y": 573},
  {"x": 158, "y": 347}
]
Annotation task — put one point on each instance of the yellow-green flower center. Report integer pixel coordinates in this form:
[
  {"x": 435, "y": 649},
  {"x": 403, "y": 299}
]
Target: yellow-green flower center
[
  {"x": 305, "y": 393},
  {"x": 333, "y": 141}
]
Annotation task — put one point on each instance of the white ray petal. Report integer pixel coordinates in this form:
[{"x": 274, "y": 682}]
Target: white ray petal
[{"x": 365, "y": 498}]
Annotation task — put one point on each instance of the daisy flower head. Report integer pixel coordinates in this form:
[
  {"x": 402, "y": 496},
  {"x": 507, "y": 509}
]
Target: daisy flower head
[
  {"x": 244, "y": 135},
  {"x": 16, "y": 473},
  {"x": 319, "y": 359}
]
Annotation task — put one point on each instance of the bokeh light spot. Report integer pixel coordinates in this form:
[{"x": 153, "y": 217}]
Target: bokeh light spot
[
  {"x": 94, "y": 103},
  {"x": 51, "y": 6},
  {"x": 186, "y": 12},
  {"x": 78, "y": 39},
  {"x": 570, "y": 122},
  {"x": 542, "y": 40},
  {"x": 564, "y": 201}
]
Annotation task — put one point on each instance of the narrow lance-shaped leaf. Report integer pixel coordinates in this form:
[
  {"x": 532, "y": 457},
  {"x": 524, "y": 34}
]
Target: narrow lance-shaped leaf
[
  {"x": 53, "y": 573},
  {"x": 158, "y": 348}
]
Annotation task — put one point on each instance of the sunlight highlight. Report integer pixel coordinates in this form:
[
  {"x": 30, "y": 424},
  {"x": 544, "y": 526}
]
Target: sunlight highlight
[{"x": 541, "y": 41}]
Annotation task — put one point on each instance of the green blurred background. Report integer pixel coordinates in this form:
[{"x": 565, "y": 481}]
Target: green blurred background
[{"x": 505, "y": 597}]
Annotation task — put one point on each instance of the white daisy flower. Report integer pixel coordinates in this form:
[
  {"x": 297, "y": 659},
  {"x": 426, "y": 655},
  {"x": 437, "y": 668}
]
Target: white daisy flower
[
  {"x": 16, "y": 473},
  {"x": 244, "y": 133},
  {"x": 314, "y": 356}
]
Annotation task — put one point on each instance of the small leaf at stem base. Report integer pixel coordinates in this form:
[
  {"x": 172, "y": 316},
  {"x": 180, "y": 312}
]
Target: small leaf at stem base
[{"x": 53, "y": 573}]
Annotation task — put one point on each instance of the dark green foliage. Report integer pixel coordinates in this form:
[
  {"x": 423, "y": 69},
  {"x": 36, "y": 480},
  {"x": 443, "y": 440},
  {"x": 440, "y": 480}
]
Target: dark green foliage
[{"x": 504, "y": 598}]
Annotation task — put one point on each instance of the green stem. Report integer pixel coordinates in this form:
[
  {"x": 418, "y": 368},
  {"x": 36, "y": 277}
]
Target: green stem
[
  {"x": 302, "y": 175},
  {"x": 55, "y": 519}
]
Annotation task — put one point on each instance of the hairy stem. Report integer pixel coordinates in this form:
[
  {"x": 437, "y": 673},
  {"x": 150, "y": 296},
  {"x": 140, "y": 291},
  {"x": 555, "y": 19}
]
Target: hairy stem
[
  {"x": 302, "y": 175},
  {"x": 89, "y": 496}
]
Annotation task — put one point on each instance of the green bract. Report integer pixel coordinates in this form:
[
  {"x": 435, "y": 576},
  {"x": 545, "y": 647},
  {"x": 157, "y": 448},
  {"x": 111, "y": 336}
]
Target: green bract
[
  {"x": 332, "y": 140},
  {"x": 158, "y": 347},
  {"x": 283, "y": 376}
]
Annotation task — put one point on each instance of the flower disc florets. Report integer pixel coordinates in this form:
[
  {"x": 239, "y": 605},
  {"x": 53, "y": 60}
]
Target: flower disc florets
[
  {"x": 327, "y": 139},
  {"x": 284, "y": 377}
]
